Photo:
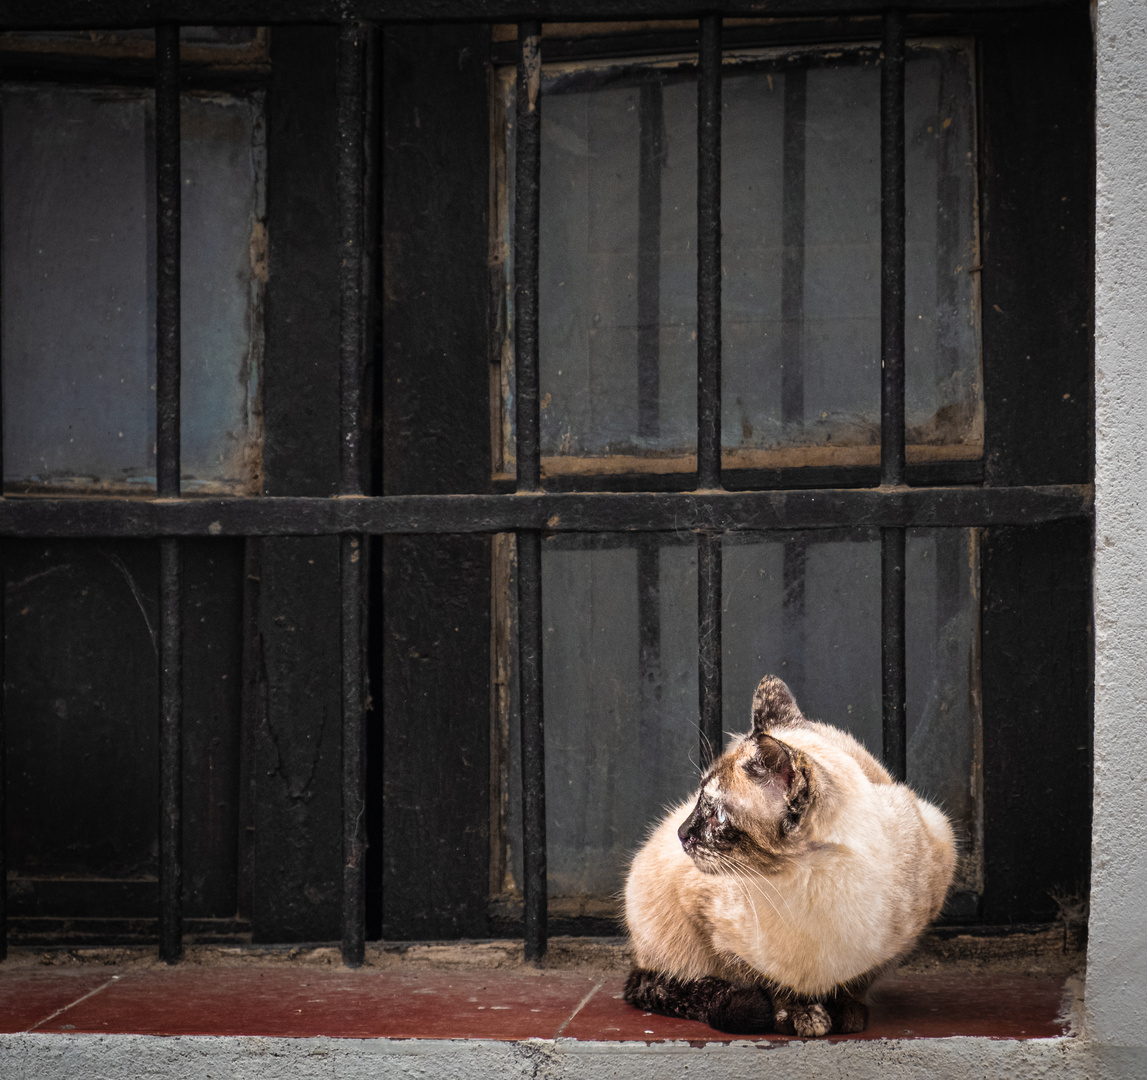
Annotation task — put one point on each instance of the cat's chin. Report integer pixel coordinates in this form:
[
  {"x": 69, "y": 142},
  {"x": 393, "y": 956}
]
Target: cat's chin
[{"x": 705, "y": 862}]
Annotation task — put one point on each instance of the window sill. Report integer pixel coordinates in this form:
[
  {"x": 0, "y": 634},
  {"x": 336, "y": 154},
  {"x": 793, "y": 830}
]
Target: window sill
[{"x": 466, "y": 992}]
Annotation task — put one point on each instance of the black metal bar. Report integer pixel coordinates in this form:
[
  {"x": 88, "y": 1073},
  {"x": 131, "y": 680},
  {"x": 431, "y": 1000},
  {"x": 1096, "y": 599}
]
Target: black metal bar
[
  {"x": 605, "y": 511},
  {"x": 3, "y": 726},
  {"x": 709, "y": 381},
  {"x": 892, "y": 246},
  {"x": 709, "y": 255},
  {"x": 351, "y": 95},
  {"x": 650, "y": 721},
  {"x": 254, "y": 711},
  {"x": 709, "y": 644},
  {"x": 84, "y": 14},
  {"x": 793, "y": 244},
  {"x": 533, "y": 743},
  {"x": 793, "y": 609},
  {"x": 651, "y": 162},
  {"x": 170, "y": 752},
  {"x": 893, "y": 682},
  {"x": 167, "y": 240},
  {"x": 526, "y": 241},
  {"x": 352, "y": 562},
  {"x": 3, "y": 778},
  {"x": 892, "y": 424},
  {"x": 167, "y": 473}
]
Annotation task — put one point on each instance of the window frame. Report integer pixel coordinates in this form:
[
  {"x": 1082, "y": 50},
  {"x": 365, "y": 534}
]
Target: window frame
[{"x": 435, "y": 506}]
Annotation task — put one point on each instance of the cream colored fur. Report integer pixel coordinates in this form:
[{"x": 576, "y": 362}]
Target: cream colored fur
[{"x": 865, "y": 871}]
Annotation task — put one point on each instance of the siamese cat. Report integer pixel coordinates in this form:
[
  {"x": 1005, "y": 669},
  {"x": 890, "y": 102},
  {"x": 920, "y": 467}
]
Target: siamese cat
[{"x": 799, "y": 874}]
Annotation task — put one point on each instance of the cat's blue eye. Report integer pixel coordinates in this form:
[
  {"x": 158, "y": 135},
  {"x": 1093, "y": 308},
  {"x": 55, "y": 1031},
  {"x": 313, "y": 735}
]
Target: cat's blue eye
[{"x": 721, "y": 816}]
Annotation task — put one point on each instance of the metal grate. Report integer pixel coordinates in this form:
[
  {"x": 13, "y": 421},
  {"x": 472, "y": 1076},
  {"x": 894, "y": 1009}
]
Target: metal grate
[{"x": 709, "y": 510}]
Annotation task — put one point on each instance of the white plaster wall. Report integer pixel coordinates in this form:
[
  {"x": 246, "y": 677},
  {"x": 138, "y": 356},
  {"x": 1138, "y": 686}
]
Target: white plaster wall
[{"x": 1116, "y": 991}]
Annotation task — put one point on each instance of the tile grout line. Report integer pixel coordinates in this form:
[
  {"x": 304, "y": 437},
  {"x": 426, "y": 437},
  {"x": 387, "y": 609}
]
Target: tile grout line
[
  {"x": 580, "y": 1005},
  {"x": 71, "y": 1004}
]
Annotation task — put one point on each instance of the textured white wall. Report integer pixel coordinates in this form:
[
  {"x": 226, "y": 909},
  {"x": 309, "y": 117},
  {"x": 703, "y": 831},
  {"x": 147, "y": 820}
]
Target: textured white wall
[{"x": 1117, "y": 951}]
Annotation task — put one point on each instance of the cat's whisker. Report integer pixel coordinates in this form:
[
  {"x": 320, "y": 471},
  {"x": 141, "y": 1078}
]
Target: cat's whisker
[{"x": 743, "y": 873}]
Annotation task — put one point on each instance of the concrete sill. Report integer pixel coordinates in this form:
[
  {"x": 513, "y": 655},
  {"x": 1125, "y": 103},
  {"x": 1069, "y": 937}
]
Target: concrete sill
[{"x": 306, "y": 994}]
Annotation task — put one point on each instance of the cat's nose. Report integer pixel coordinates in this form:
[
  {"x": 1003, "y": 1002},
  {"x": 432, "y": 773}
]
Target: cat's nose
[{"x": 685, "y": 834}]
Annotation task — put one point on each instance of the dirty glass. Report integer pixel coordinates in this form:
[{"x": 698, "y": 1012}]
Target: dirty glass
[
  {"x": 79, "y": 291},
  {"x": 800, "y": 205},
  {"x": 620, "y": 678}
]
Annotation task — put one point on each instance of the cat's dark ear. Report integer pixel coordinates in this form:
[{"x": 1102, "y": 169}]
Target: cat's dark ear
[
  {"x": 774, "y": 706},
  {"x": 784, "y": 770},
  {"x": 772, "y": 763}
]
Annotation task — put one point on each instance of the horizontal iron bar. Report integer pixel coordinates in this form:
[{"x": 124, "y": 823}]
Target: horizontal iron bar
[
  {"x": 605, "y": 511},
  {"x": 111, "y": 14}
]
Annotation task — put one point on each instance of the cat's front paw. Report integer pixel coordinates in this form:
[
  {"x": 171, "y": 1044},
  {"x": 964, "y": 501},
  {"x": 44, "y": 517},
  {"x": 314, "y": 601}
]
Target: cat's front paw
[
  {"x": 741, "y": 1011},
  {"x": 809, "y": 1021}
]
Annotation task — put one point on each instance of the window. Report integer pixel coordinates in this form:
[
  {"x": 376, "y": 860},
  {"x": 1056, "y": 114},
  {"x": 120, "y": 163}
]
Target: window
[
  {"x": 343, "y": 143},
  {"x": 800, "y": 378}
]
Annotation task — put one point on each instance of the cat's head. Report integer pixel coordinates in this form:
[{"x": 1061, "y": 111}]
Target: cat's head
[{"x": 755, "y": 800}]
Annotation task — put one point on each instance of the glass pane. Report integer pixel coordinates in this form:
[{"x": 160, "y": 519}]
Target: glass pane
[
  {"x": 808, "y": 609},
  {"x": 620, "y": 670},
  {"x": 79, "y": 289},
  {"x": 800, "y": 253}
]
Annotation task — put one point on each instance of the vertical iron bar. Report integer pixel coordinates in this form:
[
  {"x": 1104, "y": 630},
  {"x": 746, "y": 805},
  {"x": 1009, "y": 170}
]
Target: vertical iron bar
[
  {"x": 794, "y": 575},
  {"x": 3, "y": 726},
  {"x": 527, "y": 178},
  {"x": 351, "y": 96},
  {"x": 793, "y": 245},
  {"x": 167, "y": 309},
  {"x": 892, "y": 546},
  {"x": 651, "y": 162},
  {"x": 649, "y": 644},
  {"x": 709, "y": 255},
  {"x": 533, "y": 743},
  {"x": 709, "y": 644},
  {"x": 167, "y": 471},
  {"x": 526, "y": 244},
  {"x": 3, "y": 777},
  {"x": 3, "y": 784},
  {"x": 892, "y": 456},
  {"x": 170, "y": 752},
  {"x": 892, "y": 251},
  {"x": 709, "y": 379}
]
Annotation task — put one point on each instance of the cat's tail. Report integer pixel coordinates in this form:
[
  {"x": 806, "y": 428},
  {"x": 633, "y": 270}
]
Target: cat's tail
[{"x": 740, "y": 1010}]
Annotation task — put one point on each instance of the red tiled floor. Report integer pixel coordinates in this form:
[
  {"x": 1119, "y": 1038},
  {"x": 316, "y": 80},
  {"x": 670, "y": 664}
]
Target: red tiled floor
[
  {"x": 608, "y": 1018},
  {"x": 301, "y": 1002},
  {"x": 940, "y": 1004},
  {"x": 35, "y": 995},
  {"x": 908, "y": 1006}
]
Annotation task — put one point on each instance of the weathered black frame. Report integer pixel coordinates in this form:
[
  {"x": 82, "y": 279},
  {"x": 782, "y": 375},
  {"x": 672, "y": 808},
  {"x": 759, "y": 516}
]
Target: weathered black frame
[{"x": 1025, "y": 493}]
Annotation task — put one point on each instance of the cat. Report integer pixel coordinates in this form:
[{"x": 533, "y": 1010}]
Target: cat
[{"x": 800, "y": 873}]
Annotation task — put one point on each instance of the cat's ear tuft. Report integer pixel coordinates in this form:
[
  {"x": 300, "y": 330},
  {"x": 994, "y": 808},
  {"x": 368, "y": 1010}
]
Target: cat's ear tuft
[
  {"x": 772, "y": 763},
  {"x": 774, "y": 706},
  {"x": 780, "y": 768}
]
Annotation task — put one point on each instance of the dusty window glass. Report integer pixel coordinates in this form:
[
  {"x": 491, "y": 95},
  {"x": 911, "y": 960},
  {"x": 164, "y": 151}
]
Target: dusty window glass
[
  {"x": 620, "y": 681},
  {"x": 79, "y": 288},
  {"x": 800, "y": 204},
  {"x": 800, "y": 386}
]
